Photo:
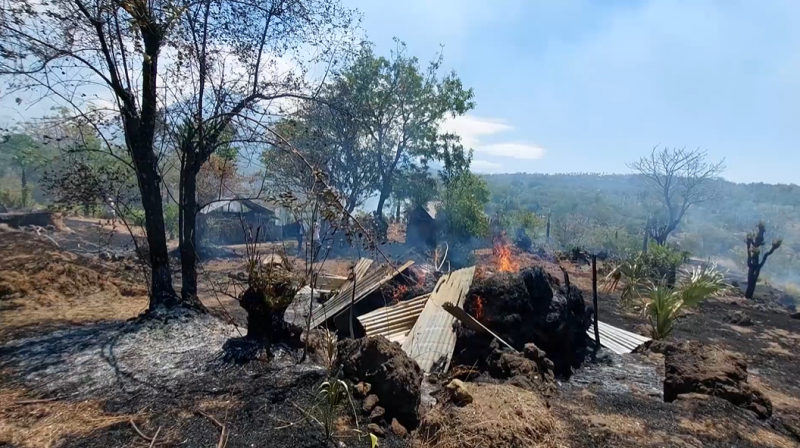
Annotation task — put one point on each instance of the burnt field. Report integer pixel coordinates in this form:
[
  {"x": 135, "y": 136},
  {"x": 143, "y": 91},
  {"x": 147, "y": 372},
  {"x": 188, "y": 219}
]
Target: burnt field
[{"x": 81, "y": 369}]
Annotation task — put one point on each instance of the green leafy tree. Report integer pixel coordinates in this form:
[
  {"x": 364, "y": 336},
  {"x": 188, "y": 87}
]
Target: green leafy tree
[
  {"x": 25, "y": 156},
  {"x": 400, "y": 106},
  {"x": 463, "y": 202}
]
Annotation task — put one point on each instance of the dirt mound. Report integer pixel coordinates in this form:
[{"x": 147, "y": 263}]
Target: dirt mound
[
  {"x": 52, "y": 285},
  {"x": 30, "y": 268},
  {"x": 49, "y": 220},
  {"x": 499, "y": 416},
  {"x": 395, "y": 378},
  {"x": 693, "y": 367},
  {"x": 532, "y": 307}
]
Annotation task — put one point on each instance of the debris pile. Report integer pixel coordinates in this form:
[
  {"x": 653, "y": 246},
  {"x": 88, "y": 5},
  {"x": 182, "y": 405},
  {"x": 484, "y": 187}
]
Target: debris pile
[
  {"x": 528, "y": 307},
  {"x": 497, "y": 416},
  {"x": 394, "y": 378}
]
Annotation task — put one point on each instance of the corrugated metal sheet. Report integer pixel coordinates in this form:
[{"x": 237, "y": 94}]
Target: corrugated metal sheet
[
  {"x": 616, "y": 339},
  {"x": 394, "y": 322},
  {"x": 432, "y": 339},
  {"x": 472, "y": 323},
  {"x": 328, "y": 283},
  {"x": 342, "y": 301}
]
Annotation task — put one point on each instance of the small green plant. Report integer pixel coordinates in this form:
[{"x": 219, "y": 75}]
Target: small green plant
[
  {"x": 331, "y": 397},
  {"x": 664, "y": 303},
  {"x": 659, "y": 265}
]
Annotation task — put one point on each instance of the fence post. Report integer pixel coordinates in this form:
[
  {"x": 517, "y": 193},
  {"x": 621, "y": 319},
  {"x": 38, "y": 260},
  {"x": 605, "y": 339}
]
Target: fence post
[{"x": 594, "y": 302}]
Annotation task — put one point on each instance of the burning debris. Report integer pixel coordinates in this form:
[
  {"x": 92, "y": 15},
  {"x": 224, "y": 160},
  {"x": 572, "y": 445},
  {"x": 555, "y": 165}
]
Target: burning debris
[
  {"x": 527, "y": 307},
  {"x": 505, "y": 259}
]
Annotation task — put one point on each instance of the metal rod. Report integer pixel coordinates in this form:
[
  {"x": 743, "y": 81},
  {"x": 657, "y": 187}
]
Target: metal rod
[{"x": 594, "y": 302}]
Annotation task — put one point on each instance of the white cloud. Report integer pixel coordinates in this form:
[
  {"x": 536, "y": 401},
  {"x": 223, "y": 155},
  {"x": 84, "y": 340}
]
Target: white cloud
[
  {"x": 513, "y": 150},
  {"x": 485, "y": 166},
  {"x": 472, "y": 129}
]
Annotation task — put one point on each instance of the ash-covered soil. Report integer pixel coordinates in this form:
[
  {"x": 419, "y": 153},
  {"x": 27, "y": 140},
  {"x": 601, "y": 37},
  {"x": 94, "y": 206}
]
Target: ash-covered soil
[{"x": 100, "y": 371}]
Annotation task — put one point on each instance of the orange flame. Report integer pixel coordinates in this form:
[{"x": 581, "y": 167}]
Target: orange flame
[
  {"x": 478, "y": 307},
  {"x": 399, "y": 292},
  {"x": 505, "y": 261}
]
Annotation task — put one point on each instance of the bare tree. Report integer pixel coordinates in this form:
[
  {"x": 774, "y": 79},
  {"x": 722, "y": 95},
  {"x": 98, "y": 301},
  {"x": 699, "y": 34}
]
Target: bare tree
[
  {"x": 681, "y": 178},
  {"x": 755, "y": 261}
]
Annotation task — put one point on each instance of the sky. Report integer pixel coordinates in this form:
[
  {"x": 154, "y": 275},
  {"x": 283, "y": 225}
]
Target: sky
[{"x": 588, "y": 86}]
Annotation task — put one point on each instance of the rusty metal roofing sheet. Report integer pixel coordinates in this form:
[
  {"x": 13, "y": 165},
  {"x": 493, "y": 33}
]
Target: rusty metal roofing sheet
[
  {"x": 616, "y": 339},
  {"x": 394, "y": 322},
  {"x": 432, "y": 339},
  {"x": 363, "y": 287}
]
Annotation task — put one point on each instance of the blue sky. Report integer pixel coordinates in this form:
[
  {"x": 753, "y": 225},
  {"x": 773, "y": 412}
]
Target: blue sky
[{"x": 579, "y": 85}]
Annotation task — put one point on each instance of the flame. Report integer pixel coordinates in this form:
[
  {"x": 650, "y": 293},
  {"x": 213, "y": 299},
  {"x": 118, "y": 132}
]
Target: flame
[
  {"x": 421, "y": 278},
  {"x": 399, "y": 292},
  {"x": 478, "y": 307},
  {"x": 505, "y": 261}
]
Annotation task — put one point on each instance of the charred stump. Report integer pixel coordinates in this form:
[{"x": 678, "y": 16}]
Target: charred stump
[
  {"x": 531, "y": 307},
  {"x": 265, "y": 325}
]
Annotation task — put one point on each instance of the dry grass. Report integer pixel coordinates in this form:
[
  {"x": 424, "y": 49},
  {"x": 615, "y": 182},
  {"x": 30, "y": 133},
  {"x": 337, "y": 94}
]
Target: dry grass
[
  {"x": 44, "y": 425},
  {"x": 500, "y": 415},
  {"x": 42, "y": 286}
]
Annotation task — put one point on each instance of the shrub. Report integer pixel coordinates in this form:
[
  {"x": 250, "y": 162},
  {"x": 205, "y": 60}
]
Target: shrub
[
  {"x": 659, "y": 265},
  {"x": 664, "y": 303}
]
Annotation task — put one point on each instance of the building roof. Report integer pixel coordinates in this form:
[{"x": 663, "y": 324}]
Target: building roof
[
  {"x": 431, "y": 207},
  {"x": 236, "y": 205}
]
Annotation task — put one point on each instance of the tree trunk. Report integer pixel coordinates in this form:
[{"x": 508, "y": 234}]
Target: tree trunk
[
  {"x": 382, "y": 201},
  {"x": 547, "y": 234},
  {"x": 397, "y": 212},
  {"x": 188, "y": 212},
  {"x": 752, "y": 279},
  {"x": 162, "y": 291}
]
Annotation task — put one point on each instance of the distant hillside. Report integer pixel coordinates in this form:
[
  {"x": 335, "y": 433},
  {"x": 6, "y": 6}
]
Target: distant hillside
[{"x": 617, "y": 207}]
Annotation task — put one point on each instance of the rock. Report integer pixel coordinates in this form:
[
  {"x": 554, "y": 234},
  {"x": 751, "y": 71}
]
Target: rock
[
  {"x": 376, "y": 429},
  {"x": 398, "y": 429},
  {"x": 369, "y": 403},
  {"x": 362, "y": 389},
  {"x": 394, "y": 376},
  {"x": 795, "y": 315},
  {"x": 654, "y": 346},
  {"x": 458, "y": 392},
  {"x": 532, "y": 306},
  {"x": 693, "y": 367},
  {"x": 503, "y": 364},
  {"x": 539, "y": 357},
  {"x": 377, "y": 414},
  {"x": 739, "y": 318}
]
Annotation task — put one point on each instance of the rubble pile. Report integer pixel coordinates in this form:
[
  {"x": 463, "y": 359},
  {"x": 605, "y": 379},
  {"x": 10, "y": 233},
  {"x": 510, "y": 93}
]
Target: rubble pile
[
  {"x": 394, "y": 378},
  {"x": 527, "y": 307}
]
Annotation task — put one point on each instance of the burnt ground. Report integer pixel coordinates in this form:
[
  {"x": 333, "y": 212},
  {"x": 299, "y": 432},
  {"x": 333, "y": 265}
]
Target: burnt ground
[
  {"x": 621, "y": 405},
  {"x": 66, "y": 339}
]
